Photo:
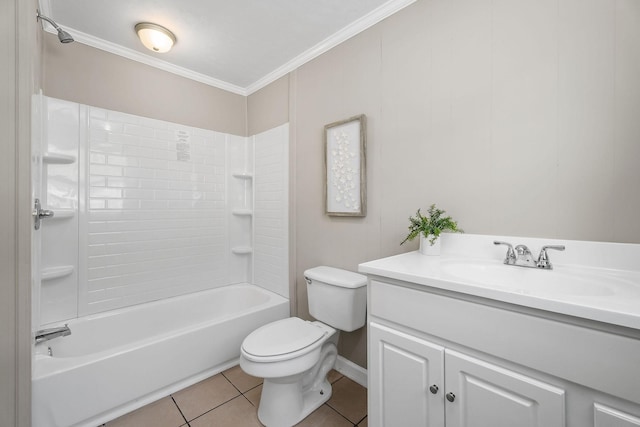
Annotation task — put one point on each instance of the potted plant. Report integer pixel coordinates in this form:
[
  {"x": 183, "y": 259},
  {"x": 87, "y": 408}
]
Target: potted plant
[{"x": 429, "y": 229}]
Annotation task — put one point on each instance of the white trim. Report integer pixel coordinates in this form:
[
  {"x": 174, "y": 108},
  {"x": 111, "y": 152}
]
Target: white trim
[
  {"x": 372, "y": 18},
  {"x": 369, "y": 20},
  {"x": 352, "y": 371},
  {"x": 134, "y": 55}
]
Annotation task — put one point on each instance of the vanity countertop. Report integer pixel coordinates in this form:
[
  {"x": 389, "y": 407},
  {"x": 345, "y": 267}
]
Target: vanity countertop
[{"x": 591, "y": 280}]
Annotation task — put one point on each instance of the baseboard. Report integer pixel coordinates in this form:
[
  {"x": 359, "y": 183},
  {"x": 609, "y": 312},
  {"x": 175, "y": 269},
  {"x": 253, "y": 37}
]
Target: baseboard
[{"x": 351, "y": 371}]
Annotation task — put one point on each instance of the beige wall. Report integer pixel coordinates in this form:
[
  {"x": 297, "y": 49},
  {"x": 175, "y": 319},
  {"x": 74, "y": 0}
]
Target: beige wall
[
  {"x": 518, "y": 118},
  {"x": 79, "y": 73},
  {"x": 268, "y": 107},
  {"x": 19, "y": 66}
]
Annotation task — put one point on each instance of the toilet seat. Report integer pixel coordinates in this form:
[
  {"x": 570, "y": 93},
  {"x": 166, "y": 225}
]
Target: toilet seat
[{"x": 281, "y": 340}]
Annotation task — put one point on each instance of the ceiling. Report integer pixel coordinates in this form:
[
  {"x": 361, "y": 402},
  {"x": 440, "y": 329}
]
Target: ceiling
[{"x": 236, "y": 45}]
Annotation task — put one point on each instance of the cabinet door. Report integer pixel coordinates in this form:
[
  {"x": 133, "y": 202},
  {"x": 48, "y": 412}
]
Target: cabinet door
[
  {"x": 402, "y": 371},
  {"x": 487, "y": 395},
  {"x": 609, "y": 417}
]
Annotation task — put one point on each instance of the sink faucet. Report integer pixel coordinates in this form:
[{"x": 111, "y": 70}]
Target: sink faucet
[
  {"x": 543, "y": 258},
  {"x": 48, "y": 334},
  {"x": 524, "y": 257},
  {"x": 520, "y": 256}
]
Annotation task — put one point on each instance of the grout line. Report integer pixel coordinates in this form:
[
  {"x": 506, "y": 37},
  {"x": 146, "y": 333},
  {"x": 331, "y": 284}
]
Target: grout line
[
  {"x": 336, "y": 411},
  {"x": 213, "y": 409},
  {"x": 180, "y": 410},
  {"x": 356, "y": 424},
  {"x": 250, "y": 403},
  {"x": 230, "y": 382}
]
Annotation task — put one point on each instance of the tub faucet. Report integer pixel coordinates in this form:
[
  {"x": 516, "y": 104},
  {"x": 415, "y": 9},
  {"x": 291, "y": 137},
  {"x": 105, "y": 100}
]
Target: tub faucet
[{"x": 48, "y": 334}]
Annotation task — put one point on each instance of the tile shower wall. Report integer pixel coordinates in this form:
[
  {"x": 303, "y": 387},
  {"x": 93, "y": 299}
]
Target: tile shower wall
[
  {"x": 270, "y": 230},
  {"x": 156, "y": 211},
  {"x": 147, "y": 209}
]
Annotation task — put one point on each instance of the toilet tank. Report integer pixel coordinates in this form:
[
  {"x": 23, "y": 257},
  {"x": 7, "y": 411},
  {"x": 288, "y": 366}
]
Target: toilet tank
[{"x": 337, "y": 297}]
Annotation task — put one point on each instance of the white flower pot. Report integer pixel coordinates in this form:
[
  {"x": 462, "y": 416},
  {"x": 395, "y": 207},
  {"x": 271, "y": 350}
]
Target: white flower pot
[{"x": 426, "y": 248}]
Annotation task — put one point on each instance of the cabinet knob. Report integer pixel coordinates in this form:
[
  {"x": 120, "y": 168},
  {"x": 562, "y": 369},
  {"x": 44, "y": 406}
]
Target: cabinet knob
[
  {"x": 434, "y": 389},
  {"x": 450, "y": 397}
]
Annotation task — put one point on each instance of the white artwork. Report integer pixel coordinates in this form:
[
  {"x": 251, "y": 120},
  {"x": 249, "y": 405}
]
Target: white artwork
[{"x": 345, "y": 167}]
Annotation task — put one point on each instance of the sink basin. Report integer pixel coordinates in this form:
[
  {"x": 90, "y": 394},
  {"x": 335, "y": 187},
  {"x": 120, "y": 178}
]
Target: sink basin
[{"x": 530, "y": 281}]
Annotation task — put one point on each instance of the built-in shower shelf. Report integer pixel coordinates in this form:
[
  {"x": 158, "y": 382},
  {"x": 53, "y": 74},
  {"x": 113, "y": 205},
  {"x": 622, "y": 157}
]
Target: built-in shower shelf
[
  {"x": 242, "y": 212},
  {"x": 58, "y": 159},
  {"x": 51, "y": 273},
  {"x": 242, "y": 175},
  {"x": 242, "y": 250}
]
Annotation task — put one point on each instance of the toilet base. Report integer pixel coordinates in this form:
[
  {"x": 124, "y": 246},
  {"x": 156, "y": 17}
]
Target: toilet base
[
  {"x": 284, "y": 405},
  {"x": 287, "y": 401}
]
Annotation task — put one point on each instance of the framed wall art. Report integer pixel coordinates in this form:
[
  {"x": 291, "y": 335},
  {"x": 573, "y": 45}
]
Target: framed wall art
[{"x": 345, "y": 167}]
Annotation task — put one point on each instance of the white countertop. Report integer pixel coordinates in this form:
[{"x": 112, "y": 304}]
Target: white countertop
[{"x": 607, "y": 290}]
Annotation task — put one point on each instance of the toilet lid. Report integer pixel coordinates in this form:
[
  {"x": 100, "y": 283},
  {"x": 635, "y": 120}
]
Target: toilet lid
[{"x": 282, "y": 337}]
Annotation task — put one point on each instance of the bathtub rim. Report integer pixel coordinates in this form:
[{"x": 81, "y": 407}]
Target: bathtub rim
[
  {"x": 276, "y": 306},
  {"x": 45, "y": 365}
]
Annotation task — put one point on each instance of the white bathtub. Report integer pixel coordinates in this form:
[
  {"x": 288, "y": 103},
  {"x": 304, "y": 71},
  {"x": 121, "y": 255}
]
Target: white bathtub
[{"x": 117, "y": 361}]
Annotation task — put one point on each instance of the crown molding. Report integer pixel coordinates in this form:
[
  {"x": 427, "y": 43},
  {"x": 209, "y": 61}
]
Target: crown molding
[
  {"x": 134, "y": 55},
  {"x": 372, "y": 18},
  {"x": 334, "y": 40}
]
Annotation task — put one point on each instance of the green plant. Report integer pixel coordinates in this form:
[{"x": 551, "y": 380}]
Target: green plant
[{"x": 431, "y": 226}]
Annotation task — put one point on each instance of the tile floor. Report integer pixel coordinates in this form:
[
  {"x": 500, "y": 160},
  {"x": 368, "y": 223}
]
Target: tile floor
[{"x": 230, "y": 399}]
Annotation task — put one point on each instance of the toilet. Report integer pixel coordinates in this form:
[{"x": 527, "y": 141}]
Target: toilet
[{"x": 294, "y": 355}]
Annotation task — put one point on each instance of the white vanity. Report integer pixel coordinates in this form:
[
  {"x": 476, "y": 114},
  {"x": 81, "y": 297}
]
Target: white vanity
[{"x": 462, "y": 339}]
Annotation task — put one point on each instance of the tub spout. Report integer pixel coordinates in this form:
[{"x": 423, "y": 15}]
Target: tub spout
[{"x": 51, "y": 333}]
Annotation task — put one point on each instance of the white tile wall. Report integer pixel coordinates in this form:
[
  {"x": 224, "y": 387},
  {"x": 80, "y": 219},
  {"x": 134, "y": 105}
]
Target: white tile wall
[
  {"x": 270, "y": 233},
  {"x": 59, "y": 235},
  {"x": 156, "y": 211},
  {"x": 153, "y": 207}
]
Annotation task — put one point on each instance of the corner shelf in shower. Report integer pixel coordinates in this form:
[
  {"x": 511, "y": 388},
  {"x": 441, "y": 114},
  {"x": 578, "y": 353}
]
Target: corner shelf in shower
[
  {"x": 57, "y": 272},
  {"x": 242, "y": 250},
  {"x": 242, "y": 212},
  {"x": 242, "y": 175},
  {"x": 58, "y": 159}
]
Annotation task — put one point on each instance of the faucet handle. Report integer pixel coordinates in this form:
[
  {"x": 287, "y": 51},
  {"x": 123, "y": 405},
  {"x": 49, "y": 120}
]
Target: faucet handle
[
  {"x": 543, "y": 258},
  {"x": 511, "y": 255}
]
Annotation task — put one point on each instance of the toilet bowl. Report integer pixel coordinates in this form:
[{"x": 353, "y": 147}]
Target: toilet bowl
[
  {"x": 294, "y": 369},
  {"x": 294, "y": 356}
]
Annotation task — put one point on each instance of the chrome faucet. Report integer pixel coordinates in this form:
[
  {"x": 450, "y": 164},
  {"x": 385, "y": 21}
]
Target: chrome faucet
[
  {"x": 543, "y": 258},
  {"x": 520, "y": 256},
  {"x": 48, "y": 334}
]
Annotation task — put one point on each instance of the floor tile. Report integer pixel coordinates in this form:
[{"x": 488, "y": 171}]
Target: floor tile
[
  {"x": 237, "y": 413},
  {"x": 324, "y": 416},
  {"x": 240, "y": 379},
  {"x": 364, "y": 423},
  {"x": 350, "y": 399},
  {"x": 162, "y": 413},
  {"x": 333, "y": 376},
  {"x": 254, "y": 395},
  {"x": 204, "y": 396}
]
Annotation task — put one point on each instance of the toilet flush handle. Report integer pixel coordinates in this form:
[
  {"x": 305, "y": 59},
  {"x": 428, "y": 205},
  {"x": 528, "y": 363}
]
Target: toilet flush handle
[{"x": 307, "y": 280}]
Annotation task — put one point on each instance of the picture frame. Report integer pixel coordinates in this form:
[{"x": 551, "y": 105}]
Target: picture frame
[{"x": 345, "y": 181}]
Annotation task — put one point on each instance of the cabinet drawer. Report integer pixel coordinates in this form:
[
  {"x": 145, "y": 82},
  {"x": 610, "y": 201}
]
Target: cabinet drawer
[{"x": 593, "y": 358}]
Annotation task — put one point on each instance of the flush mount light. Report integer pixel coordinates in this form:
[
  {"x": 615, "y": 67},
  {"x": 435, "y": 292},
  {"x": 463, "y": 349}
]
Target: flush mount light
[{"x": 155, "y": 37}]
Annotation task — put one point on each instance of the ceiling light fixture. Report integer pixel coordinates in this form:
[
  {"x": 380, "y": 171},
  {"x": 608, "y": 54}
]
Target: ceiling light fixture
[{"x": 155, "y": 37}]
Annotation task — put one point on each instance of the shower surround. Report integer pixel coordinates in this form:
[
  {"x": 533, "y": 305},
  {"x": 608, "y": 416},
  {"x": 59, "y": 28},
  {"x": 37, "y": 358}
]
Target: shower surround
[
  {"x": 147, "y": 209},
  {"x": 146, "y": 212}
]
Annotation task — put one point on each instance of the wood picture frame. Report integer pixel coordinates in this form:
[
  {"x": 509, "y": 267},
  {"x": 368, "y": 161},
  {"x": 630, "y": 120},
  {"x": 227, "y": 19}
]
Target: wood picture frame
[{"x": 345, "y": 188}]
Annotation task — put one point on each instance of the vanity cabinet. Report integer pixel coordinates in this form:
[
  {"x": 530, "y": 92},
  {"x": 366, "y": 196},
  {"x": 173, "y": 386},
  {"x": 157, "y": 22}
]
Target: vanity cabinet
[
  {"x": 413, "y": 382},
  {"x": 439, "y": 358}
]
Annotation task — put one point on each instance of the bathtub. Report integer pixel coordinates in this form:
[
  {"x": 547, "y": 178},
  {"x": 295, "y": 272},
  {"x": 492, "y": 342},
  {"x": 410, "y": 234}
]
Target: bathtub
[{"x": 118, "y": 361}]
